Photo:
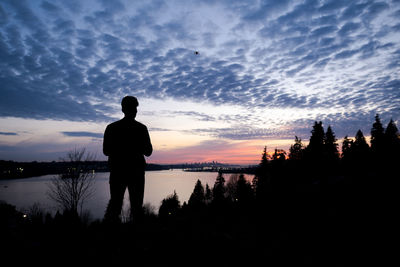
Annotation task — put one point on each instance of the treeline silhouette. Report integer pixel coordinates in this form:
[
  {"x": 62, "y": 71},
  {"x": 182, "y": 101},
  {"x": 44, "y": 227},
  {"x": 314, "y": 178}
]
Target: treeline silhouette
[
  {"x": 315, "y": 167},
  {"x": 312, "y": 205}
]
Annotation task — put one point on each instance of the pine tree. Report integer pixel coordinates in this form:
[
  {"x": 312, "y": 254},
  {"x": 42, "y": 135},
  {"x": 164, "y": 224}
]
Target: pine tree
[
  {"x": 244, "y": 191},
  {"x": 296, "y": 150},
  {"x": 359, "y": 149},
  {"x": 208, "y": 195},
  {"x": 231, "y": 187},
  {"x": 197, "y": 198},
  {"x": 262, "y": 167},
  {"x": 264, "y": 158},
  {"x": 392, "y": 133},
  {"x": 392, "y": 141},
  {"x": 377, "y": 138},
  {"x": 261, "y": 180},
  {"x": 279, "y": 155},
  {"x": 346, "y": 148},
  {"x": 169, "y": 206},
  {"x": 331, "y": 147},
  {"x": 219, "y": 189},
  {"x": 315, "y": 149}
]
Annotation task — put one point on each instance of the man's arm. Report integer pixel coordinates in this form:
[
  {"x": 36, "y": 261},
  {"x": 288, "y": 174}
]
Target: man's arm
[
  {"x": 106, "y": 142},
  {"x": 147, "y": 148}
]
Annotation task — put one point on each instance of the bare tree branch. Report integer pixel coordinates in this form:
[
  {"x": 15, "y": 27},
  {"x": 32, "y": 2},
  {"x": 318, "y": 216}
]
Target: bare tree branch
[{"x": 73, "y": 187}]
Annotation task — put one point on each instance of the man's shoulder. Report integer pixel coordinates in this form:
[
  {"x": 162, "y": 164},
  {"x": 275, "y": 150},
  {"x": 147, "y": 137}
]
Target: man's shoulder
[
  {"x": 114, "y": 124},
  {"x": 141, "y": 125},
  {"x": 124, "y": 123}
]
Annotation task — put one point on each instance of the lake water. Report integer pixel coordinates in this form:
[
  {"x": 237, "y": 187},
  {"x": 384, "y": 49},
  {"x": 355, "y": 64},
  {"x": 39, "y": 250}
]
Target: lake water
[{"x": 23, "y": 193}]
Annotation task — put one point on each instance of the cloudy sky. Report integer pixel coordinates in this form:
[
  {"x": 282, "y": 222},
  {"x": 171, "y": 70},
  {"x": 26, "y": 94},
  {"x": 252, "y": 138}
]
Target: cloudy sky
[{"x": 265, "y": 71}]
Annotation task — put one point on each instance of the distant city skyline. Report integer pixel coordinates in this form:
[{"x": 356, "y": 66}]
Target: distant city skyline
[{"x": 216, "y": 81}]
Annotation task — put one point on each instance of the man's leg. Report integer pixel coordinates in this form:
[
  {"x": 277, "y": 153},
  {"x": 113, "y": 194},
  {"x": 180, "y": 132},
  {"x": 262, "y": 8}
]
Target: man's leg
[
  {"x": 117, "y": 191},
  {"x": 136, "y": 194}
]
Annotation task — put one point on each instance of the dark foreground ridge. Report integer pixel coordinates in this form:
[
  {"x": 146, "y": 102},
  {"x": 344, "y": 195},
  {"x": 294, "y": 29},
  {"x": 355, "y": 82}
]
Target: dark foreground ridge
[{"x": 342, "y": 224}]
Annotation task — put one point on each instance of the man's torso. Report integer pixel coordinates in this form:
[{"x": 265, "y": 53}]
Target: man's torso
[{"x": 125, "y": 144}]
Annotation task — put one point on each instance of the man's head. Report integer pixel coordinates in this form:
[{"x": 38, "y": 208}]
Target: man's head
[{"x": 129, "y": 105}]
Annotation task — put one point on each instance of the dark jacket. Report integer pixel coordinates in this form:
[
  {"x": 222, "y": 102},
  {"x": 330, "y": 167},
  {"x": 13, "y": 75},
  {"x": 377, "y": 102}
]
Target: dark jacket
[{"x": 126, "y": 142}]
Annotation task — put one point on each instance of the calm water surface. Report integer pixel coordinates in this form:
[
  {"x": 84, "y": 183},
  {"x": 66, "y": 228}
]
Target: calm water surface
[{"x": 23, "y": 193}]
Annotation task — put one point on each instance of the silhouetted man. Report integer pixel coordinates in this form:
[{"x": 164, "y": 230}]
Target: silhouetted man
[{"x": 126, "y": 142}]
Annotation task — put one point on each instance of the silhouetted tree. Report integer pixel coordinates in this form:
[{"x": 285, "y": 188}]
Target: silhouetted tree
[
  {"x": 346, "y": 148},
  {"x": 392, "y": 133},
  {"x": 315, "y": 148},
  {"x": 262, "y": 168},
  {"x": 197, "y": 198},
  {"x": 377, "y": 138},
  {"x": 231, "y": 187},
  {"x": 73, "y": 187},
  {"x": 277, "y": 163},
  {"x": 244, "y": 192},
  {"x": 208, "y": 195},
  {"x": 279, "y": 155},
  {"x": 392, "y": 141},
  {"x": 169, "y": 206},
  {"x": 331, "y": 146},
  {"x": 219, "y": 190},
  {"x": 261, "y": 181},
  {"x": 264, "y": 158},
  {"x": 360, "y": 150},
  {"x": 296, "y": 150}
]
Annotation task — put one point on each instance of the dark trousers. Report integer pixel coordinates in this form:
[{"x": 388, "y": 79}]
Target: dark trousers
[{"x": 119, "y": 181}]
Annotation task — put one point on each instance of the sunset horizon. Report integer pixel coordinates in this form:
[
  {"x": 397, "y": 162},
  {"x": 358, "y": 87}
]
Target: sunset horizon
[{"x": 215, "y": 81}]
